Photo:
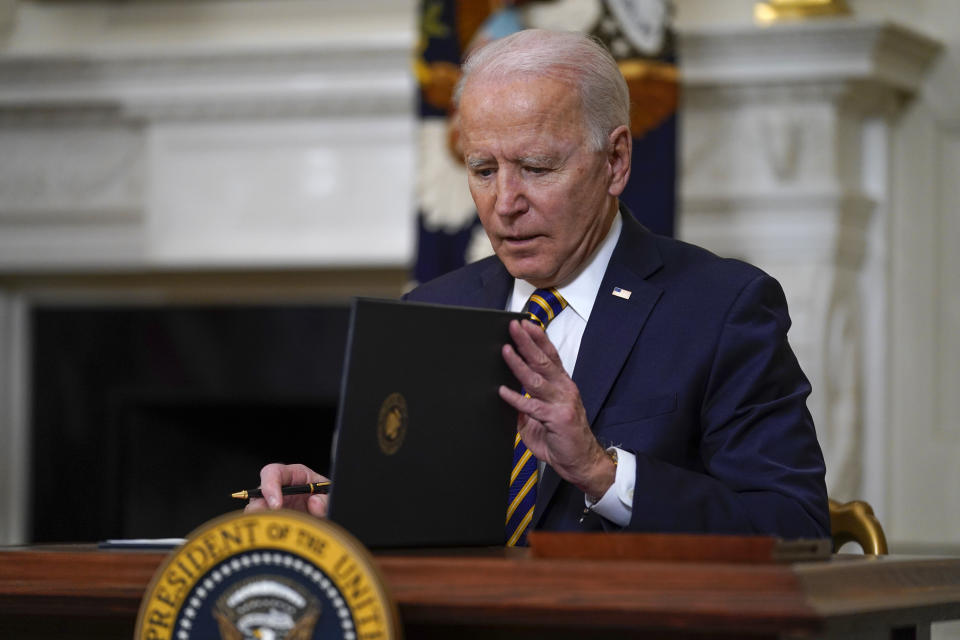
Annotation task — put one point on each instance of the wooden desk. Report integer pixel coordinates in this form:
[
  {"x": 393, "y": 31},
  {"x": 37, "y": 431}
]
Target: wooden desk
[{"x": 82, "y": 592}]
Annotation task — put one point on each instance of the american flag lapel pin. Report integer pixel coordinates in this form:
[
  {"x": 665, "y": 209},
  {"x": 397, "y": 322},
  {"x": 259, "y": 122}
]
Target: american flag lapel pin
[{"x": 622, "y": 293}]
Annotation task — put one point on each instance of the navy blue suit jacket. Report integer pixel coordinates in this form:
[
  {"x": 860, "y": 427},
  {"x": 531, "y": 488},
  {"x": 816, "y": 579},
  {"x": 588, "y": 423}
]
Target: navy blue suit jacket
[{"x": 693, "y": 374}]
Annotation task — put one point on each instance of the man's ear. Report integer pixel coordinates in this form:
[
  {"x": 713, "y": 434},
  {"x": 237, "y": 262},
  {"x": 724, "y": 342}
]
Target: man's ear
[{"x": 620, "y": 153}]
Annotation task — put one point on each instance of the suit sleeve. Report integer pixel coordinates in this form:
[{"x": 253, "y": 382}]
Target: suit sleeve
[{"x": 764, "y": 471}]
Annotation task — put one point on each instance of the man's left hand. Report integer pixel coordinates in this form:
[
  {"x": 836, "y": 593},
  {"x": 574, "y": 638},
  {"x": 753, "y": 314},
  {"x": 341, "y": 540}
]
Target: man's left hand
[{"x": 551, "y": 420}]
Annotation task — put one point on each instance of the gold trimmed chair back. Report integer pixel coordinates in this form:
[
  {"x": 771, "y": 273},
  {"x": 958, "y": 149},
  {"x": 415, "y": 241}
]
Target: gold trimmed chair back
[{"x": 854, "y": 522}]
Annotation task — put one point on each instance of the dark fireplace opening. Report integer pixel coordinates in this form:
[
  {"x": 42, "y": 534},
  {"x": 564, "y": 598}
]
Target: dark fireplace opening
[
  {"x": 145, "y": 419},
  {"x": 181, "y": 459}
]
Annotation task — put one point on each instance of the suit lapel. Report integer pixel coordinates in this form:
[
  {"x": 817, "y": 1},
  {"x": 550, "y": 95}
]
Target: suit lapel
[
  {"x": 494, "y": 287},
  {"x": 613, "y": 329},
  {"x": 614, "y": 326}
]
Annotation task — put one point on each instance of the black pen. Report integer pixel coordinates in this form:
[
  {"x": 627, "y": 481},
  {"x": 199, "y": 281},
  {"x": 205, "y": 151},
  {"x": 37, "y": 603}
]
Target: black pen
[{"x": 315, "y": 487}]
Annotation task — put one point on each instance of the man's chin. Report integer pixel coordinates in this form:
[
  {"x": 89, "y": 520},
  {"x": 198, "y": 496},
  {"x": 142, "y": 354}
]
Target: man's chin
[{"x": 537, "y": 275}]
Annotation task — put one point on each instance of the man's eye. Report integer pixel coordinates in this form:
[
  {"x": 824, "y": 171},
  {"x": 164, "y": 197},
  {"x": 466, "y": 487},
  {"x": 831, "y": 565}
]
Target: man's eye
[
  {"x": 537, "y": 170},
  {"x": 483, "y": 173}
]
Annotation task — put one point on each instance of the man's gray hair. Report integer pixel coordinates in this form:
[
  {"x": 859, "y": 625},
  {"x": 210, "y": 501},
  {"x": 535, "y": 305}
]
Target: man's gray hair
[{"x": 562, "y": 55}]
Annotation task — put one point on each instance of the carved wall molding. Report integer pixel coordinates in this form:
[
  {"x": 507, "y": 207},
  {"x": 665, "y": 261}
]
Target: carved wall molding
[
  {"x": 781, "y": 137},
  {"x": 798, "y": 227},
  {"x": 822, "y": 50},
  {"x": 323, "y": 80},
  {"x": 71, "y": 174},
  {"x": 866, "y": 96},
  {"x": 840, "y": 400}
]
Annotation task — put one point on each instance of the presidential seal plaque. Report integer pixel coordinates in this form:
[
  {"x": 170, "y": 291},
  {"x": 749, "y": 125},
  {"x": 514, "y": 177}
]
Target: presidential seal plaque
[
  {"x": 271, "y": 575},
  {"x": 392, "y": 423}
]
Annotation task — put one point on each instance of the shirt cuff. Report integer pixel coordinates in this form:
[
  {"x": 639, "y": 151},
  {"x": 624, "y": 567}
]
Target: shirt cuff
[{"x": 616, "y": 505}]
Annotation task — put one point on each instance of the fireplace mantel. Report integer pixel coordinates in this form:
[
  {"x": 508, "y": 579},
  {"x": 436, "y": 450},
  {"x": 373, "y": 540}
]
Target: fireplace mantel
[{"x": 205, "y": 158}]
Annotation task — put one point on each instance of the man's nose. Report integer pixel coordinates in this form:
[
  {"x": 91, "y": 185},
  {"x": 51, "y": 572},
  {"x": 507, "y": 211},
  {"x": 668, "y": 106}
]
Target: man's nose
[{"x": 510, "y": 194}]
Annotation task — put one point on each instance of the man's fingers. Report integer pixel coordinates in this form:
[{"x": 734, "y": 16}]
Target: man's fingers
[
  {"x": 318, "y": 505},
  {"x": 276, "y": 475},
  {"x": 516, "y": 400},
  {"x": 535, "y": 348},
  {"x": 255, "y": 505},
  {"x": 529, "y": 379},
  {"x": 271, "y": 479},
  {"x": 531, "y": 411}
]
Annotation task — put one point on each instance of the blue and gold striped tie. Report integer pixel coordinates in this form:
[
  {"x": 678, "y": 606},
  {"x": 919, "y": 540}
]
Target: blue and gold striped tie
[{"x": 543, "y": 306}]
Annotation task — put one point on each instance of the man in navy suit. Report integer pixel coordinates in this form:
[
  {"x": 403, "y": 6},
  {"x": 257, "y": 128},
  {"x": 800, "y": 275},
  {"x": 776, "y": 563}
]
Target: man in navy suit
[{"x": 664, "y": 396}]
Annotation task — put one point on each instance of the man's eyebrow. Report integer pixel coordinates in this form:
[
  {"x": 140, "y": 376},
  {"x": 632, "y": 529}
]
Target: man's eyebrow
[
  {"x": 537, "y": 160},
  {"x": 540, "y": 160},
  {"x": 477, "y": 162}
]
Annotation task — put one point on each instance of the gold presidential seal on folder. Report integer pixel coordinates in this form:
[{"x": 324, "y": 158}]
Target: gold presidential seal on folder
[
  {"x": 276, "y": 574},
  {"x": 392, "y": 423}
]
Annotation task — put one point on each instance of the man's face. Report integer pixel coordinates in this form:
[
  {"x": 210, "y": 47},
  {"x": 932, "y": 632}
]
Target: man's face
[{"x": 544, "y": 196}]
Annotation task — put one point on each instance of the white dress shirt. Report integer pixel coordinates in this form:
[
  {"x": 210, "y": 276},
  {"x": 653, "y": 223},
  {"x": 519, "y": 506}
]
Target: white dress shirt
[{"x": 565, "y": 332}]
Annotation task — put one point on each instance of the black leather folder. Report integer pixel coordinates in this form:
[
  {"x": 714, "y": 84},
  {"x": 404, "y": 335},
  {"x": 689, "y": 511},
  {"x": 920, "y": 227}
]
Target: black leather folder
[{"x": 423, "y": 446}]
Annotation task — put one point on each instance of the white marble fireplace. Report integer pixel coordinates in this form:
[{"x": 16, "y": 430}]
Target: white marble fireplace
[
  {"x": 195, "y": 153},
  {"x": 786, "y": 154}
]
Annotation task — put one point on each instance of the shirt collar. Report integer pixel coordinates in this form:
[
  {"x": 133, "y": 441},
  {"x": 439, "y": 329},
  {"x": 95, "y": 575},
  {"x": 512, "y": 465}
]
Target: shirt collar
[{"x": 581, "y": 292}]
